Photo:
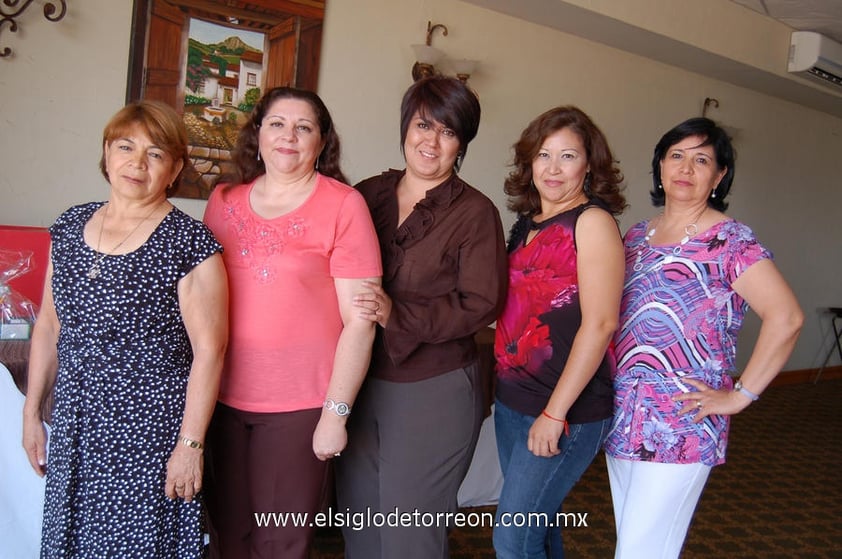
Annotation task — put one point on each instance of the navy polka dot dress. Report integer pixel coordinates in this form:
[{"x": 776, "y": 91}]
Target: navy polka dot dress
[{"x": 124, "y": 359}]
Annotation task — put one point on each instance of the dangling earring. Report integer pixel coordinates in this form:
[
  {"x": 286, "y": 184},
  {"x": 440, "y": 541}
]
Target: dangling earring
[
  {"x": 586, "y": 186},
  {"x": 258, "y": 155},
  {"x": 319, "y": 158},
  {"x": 713, "y": 193}
]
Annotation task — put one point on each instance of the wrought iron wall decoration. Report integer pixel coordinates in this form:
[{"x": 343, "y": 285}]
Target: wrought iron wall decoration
[
  {"x": 709, "y": 101},
  {"x": 11, "y": 9}
]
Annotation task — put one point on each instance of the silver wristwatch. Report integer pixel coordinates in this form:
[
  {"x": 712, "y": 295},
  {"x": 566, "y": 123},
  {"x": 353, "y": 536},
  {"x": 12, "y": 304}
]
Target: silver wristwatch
[
  {"x": 738, "y": 387},
  {"x": 339, "y": 408}
]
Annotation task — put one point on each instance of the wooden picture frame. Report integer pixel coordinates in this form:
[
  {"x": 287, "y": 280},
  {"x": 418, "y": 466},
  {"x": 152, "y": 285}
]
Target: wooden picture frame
[{"x": 215, "y": 84}]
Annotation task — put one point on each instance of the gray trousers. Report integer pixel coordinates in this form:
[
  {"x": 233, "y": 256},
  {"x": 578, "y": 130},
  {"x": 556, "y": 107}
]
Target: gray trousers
[{"x": 409, "y": 448}]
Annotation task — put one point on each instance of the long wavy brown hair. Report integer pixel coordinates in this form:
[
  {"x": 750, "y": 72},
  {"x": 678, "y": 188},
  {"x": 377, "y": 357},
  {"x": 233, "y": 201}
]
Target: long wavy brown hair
[
  {"x": 602, "y": 185},
  {"x": 248, "y": 167}
]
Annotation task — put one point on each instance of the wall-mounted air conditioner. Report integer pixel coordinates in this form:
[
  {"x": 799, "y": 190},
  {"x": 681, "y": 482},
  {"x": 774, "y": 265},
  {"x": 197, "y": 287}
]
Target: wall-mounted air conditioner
[{"x": 817, "y": 57}]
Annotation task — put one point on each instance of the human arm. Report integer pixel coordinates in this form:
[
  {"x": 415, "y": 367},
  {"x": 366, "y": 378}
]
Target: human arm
[
  {"x": 600, "y": 267},
  {"x": 43, "y": 366},
  {"x": 203, "y": 299},
  {"x": 766, "y": 291},
  {"x": 353, "y": 353}
]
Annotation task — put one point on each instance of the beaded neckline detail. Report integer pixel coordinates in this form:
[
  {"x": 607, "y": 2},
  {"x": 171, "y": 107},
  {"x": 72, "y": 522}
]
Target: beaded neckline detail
[{"x": 690, "y": 231}]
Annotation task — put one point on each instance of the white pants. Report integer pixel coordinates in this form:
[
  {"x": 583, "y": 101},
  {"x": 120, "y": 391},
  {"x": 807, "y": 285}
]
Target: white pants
[{"x": 653, "y": 506}]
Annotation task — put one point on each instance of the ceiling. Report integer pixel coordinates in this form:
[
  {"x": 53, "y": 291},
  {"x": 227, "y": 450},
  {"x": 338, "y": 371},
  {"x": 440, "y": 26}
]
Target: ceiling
[
  {"x": 609, "y": 28},
  {"x": 821, "y": 16}
]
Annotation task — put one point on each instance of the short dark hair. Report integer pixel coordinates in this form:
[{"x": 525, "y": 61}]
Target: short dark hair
[
  {"x": 712, "y": 135},
  {"x": 446, "y": 100},
  {"x": 245, "y": 159},
  {"x": 160, "y": 121},
  {"x": 605, "y": 179}
]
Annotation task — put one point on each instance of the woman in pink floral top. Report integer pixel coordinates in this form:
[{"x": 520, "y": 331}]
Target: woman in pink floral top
[{"x": 691, "y": 274}]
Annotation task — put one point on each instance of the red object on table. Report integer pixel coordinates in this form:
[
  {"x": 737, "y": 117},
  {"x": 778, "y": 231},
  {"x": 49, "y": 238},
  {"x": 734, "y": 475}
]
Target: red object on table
[{"x": 37, "y": 241}]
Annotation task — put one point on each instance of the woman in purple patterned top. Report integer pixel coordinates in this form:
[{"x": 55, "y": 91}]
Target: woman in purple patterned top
[{"x": 691, "y": 274}]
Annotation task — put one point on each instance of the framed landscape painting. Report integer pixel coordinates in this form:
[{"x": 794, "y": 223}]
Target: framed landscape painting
[{"x": 212, "y": 60}]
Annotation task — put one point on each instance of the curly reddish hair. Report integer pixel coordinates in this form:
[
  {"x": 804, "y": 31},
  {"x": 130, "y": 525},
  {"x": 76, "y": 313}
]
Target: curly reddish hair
[{"x": 602, "y": 187}]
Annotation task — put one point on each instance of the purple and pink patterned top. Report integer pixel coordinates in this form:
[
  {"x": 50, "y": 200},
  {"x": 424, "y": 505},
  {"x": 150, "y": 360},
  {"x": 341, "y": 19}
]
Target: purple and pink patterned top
[{"x": 679, "y": 318}]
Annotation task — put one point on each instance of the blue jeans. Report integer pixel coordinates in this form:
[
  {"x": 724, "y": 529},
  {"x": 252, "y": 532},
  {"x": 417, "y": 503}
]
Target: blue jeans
[{"x": 536, "y": 484}]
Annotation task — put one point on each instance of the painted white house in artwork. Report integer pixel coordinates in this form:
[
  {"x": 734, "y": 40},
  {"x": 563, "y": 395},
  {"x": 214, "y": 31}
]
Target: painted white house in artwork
[{"x": 230, "y": 87}]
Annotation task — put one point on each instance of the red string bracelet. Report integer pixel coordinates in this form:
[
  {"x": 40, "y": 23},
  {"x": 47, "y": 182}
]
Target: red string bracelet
[{"x": 564, "y": 421}]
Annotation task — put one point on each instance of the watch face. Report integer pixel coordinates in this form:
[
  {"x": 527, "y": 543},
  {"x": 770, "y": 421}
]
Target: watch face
[{"x": 342, "y": 408}]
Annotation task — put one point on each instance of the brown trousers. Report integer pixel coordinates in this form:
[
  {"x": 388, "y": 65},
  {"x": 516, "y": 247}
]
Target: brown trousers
[{"x": 259, "y": 464}]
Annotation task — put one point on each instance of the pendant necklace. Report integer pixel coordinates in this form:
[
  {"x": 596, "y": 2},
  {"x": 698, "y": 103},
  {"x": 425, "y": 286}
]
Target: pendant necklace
[
  {"x": 690, "y": 231},
  {"x": 94, "y": 271}
]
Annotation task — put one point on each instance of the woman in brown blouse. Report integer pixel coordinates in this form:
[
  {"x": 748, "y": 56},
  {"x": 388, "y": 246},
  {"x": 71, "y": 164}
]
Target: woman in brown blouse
[{"x": 415, "y": 424}]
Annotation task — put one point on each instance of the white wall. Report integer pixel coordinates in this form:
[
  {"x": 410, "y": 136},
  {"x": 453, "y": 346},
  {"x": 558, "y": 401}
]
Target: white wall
[
  {"x": 63, "y": 82},
  {"x": 69, "y": 77}
]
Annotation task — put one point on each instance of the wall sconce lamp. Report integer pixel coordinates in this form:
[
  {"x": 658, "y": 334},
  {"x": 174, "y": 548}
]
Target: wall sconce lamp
[
  {"x": 8, "y": 18},
  {"x": 709, "y": 101},
  {"x": 427, "y": 56}
]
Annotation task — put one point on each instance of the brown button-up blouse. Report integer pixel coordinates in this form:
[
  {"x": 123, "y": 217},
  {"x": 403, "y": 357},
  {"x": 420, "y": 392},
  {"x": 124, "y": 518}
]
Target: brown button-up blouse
[{"x": 445, "y": 269}]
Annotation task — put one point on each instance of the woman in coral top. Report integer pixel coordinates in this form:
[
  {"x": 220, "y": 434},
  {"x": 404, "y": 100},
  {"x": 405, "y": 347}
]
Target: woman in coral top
[{"x": 298, "y": 244}]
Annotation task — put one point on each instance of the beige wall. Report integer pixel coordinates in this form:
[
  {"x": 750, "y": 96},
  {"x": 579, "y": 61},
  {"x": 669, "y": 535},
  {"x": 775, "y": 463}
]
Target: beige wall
[{"x": 69, "y": 77}]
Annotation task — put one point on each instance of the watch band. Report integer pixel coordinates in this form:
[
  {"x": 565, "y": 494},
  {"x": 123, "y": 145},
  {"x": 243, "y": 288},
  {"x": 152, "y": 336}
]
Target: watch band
[
  {"x": 339, "y": 408},
  {"x": 191, "y": 443},
  {"x": 738, "y": 387}
]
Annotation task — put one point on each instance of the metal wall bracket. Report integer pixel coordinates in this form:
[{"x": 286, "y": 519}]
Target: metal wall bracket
[{"x": 11, "y": 9}]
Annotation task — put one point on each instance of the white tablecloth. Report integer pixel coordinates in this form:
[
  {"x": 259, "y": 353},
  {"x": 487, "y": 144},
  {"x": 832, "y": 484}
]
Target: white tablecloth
[
  {"x": 484, "y": 480},
  {"x": 21, "y": 490}
]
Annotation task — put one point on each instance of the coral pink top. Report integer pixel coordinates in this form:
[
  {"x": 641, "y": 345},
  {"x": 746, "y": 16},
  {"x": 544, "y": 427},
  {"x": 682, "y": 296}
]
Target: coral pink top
[{"x": 284, "y": 313}]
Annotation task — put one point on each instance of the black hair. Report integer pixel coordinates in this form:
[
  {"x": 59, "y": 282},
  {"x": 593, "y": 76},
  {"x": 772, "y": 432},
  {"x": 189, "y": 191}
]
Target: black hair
[
  {"x": 712, "y": 135},
  {"x": 446, "y": 100}
]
